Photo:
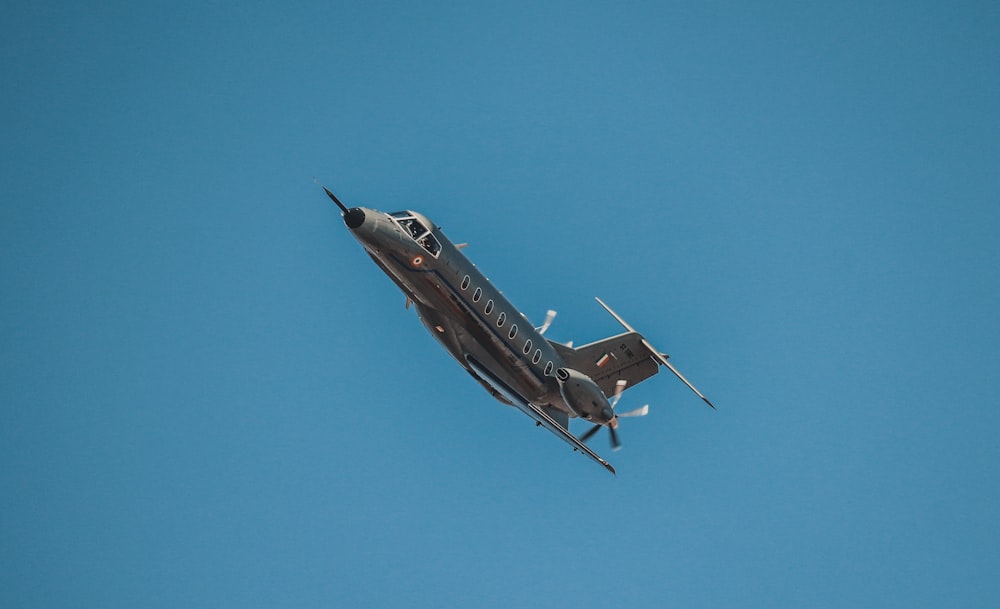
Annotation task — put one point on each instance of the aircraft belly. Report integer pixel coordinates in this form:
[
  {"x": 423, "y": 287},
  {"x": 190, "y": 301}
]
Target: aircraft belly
[
  {"x": 396, "y": 277},
  {"x": 487, "y": 360},
  {"x": 462, "y": 344},
  {"x": 463, "y": 334},
  {"x": 431, "y": 285},
  {"x": 444, "y": 330}
]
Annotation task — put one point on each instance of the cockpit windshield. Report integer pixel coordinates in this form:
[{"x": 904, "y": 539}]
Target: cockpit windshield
[{"x": 416, "y": 229}]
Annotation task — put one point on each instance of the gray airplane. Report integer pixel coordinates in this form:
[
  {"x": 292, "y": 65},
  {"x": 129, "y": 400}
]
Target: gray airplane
[{"x": 495, "y": 343}]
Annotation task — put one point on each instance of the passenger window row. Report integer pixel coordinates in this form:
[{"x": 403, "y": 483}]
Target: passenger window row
[{"x": 477, "y": 295}]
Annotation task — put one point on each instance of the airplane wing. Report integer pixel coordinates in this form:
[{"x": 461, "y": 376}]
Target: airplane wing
[
  {"x": 543, "y": 419},
  {"x": 537, "y": 413}
]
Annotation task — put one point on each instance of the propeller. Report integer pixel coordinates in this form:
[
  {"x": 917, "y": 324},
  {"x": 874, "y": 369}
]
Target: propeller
[
  {"x": 619, "y": 388},
  {"x": 615, "y": 443},
  {"x": 612, "y": 425},
  {"x": 549, "y": 316},
  {"x": 638, "y": 412},
  {"x": 590, "y": 433}
]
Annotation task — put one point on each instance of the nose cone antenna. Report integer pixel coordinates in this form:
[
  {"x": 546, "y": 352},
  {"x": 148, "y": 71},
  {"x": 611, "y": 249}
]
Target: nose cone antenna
[{"x": 353, "y": 217}]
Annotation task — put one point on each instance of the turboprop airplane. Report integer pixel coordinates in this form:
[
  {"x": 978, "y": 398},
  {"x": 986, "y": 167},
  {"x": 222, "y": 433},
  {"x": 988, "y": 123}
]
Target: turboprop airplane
[{"x": 495, "y": 343}]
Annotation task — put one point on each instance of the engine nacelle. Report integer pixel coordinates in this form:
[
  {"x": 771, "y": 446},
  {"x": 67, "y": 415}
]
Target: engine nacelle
[{"x": 583, "y": 396}]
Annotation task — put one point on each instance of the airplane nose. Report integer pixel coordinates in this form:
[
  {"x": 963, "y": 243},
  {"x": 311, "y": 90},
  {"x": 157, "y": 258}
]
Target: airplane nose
[{"x": 354, "y": 217}]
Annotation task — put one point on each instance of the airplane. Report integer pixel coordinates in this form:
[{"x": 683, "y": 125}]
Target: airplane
[{"x": 495, "y": 343}]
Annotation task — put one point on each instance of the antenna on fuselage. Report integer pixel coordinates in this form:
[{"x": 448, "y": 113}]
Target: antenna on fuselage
[{"x": 333, "y": 197}]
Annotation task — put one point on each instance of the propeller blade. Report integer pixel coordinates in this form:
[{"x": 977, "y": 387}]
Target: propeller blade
[
  {"x": 615, "y": 443},
  {"x": 638, "y": 412},
  {"x": 549, "y": 316},
  {"x": 590, "y": 433},
  {"x": 619, "y": 388}
]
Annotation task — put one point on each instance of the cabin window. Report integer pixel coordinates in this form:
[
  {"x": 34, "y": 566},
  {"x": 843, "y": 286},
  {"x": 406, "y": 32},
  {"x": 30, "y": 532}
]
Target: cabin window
[
  {"x": 538, "y": 356},
  {"x": 501, "y": 320},
  {"x": 513, "y": 331},
  {"x": 477, "y": 295},
  {"x": 548, "y": 368},
  {"x": 466, "y": 282},
  {"x": 489, "y": 307},
  {"x": 527, "y": 346}
]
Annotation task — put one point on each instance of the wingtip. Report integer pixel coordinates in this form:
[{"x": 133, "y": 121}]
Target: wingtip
[
  {"x": 707, "y": 401},
  {"x": 617, "y": 317}
]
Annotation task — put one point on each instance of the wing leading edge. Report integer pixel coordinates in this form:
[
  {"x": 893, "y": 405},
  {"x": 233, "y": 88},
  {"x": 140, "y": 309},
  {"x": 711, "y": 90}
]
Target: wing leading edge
[
  {"x": 537, "y": 413},
  {"x": 548, "y": 423}
]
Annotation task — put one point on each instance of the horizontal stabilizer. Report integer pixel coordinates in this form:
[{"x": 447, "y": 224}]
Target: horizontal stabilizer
[
  {"x": 660, "y": 358},
  {"x": 622, "y": 357}
]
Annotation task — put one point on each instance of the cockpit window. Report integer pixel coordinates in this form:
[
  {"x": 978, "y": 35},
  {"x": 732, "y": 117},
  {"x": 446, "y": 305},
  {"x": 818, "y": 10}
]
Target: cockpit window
[
  {"x": 420, "y": 233},
  {"x": 429, "y": 243},
  {"x": 412, "y": 226}
]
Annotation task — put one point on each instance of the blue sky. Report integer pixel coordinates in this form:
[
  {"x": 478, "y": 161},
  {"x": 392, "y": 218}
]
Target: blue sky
[{"x": 211, "y": 398}]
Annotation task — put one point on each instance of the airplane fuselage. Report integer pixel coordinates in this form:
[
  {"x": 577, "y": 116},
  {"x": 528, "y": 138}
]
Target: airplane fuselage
[
  {"x": 466, "y": 313},
  {"x": 494, "y": 342}
]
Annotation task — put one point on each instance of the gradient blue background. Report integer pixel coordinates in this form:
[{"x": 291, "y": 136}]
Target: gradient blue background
[{"x": 210, "y": 397}]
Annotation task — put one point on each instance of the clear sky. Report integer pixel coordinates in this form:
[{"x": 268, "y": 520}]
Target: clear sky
[{"x": 210, "y": 397}]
